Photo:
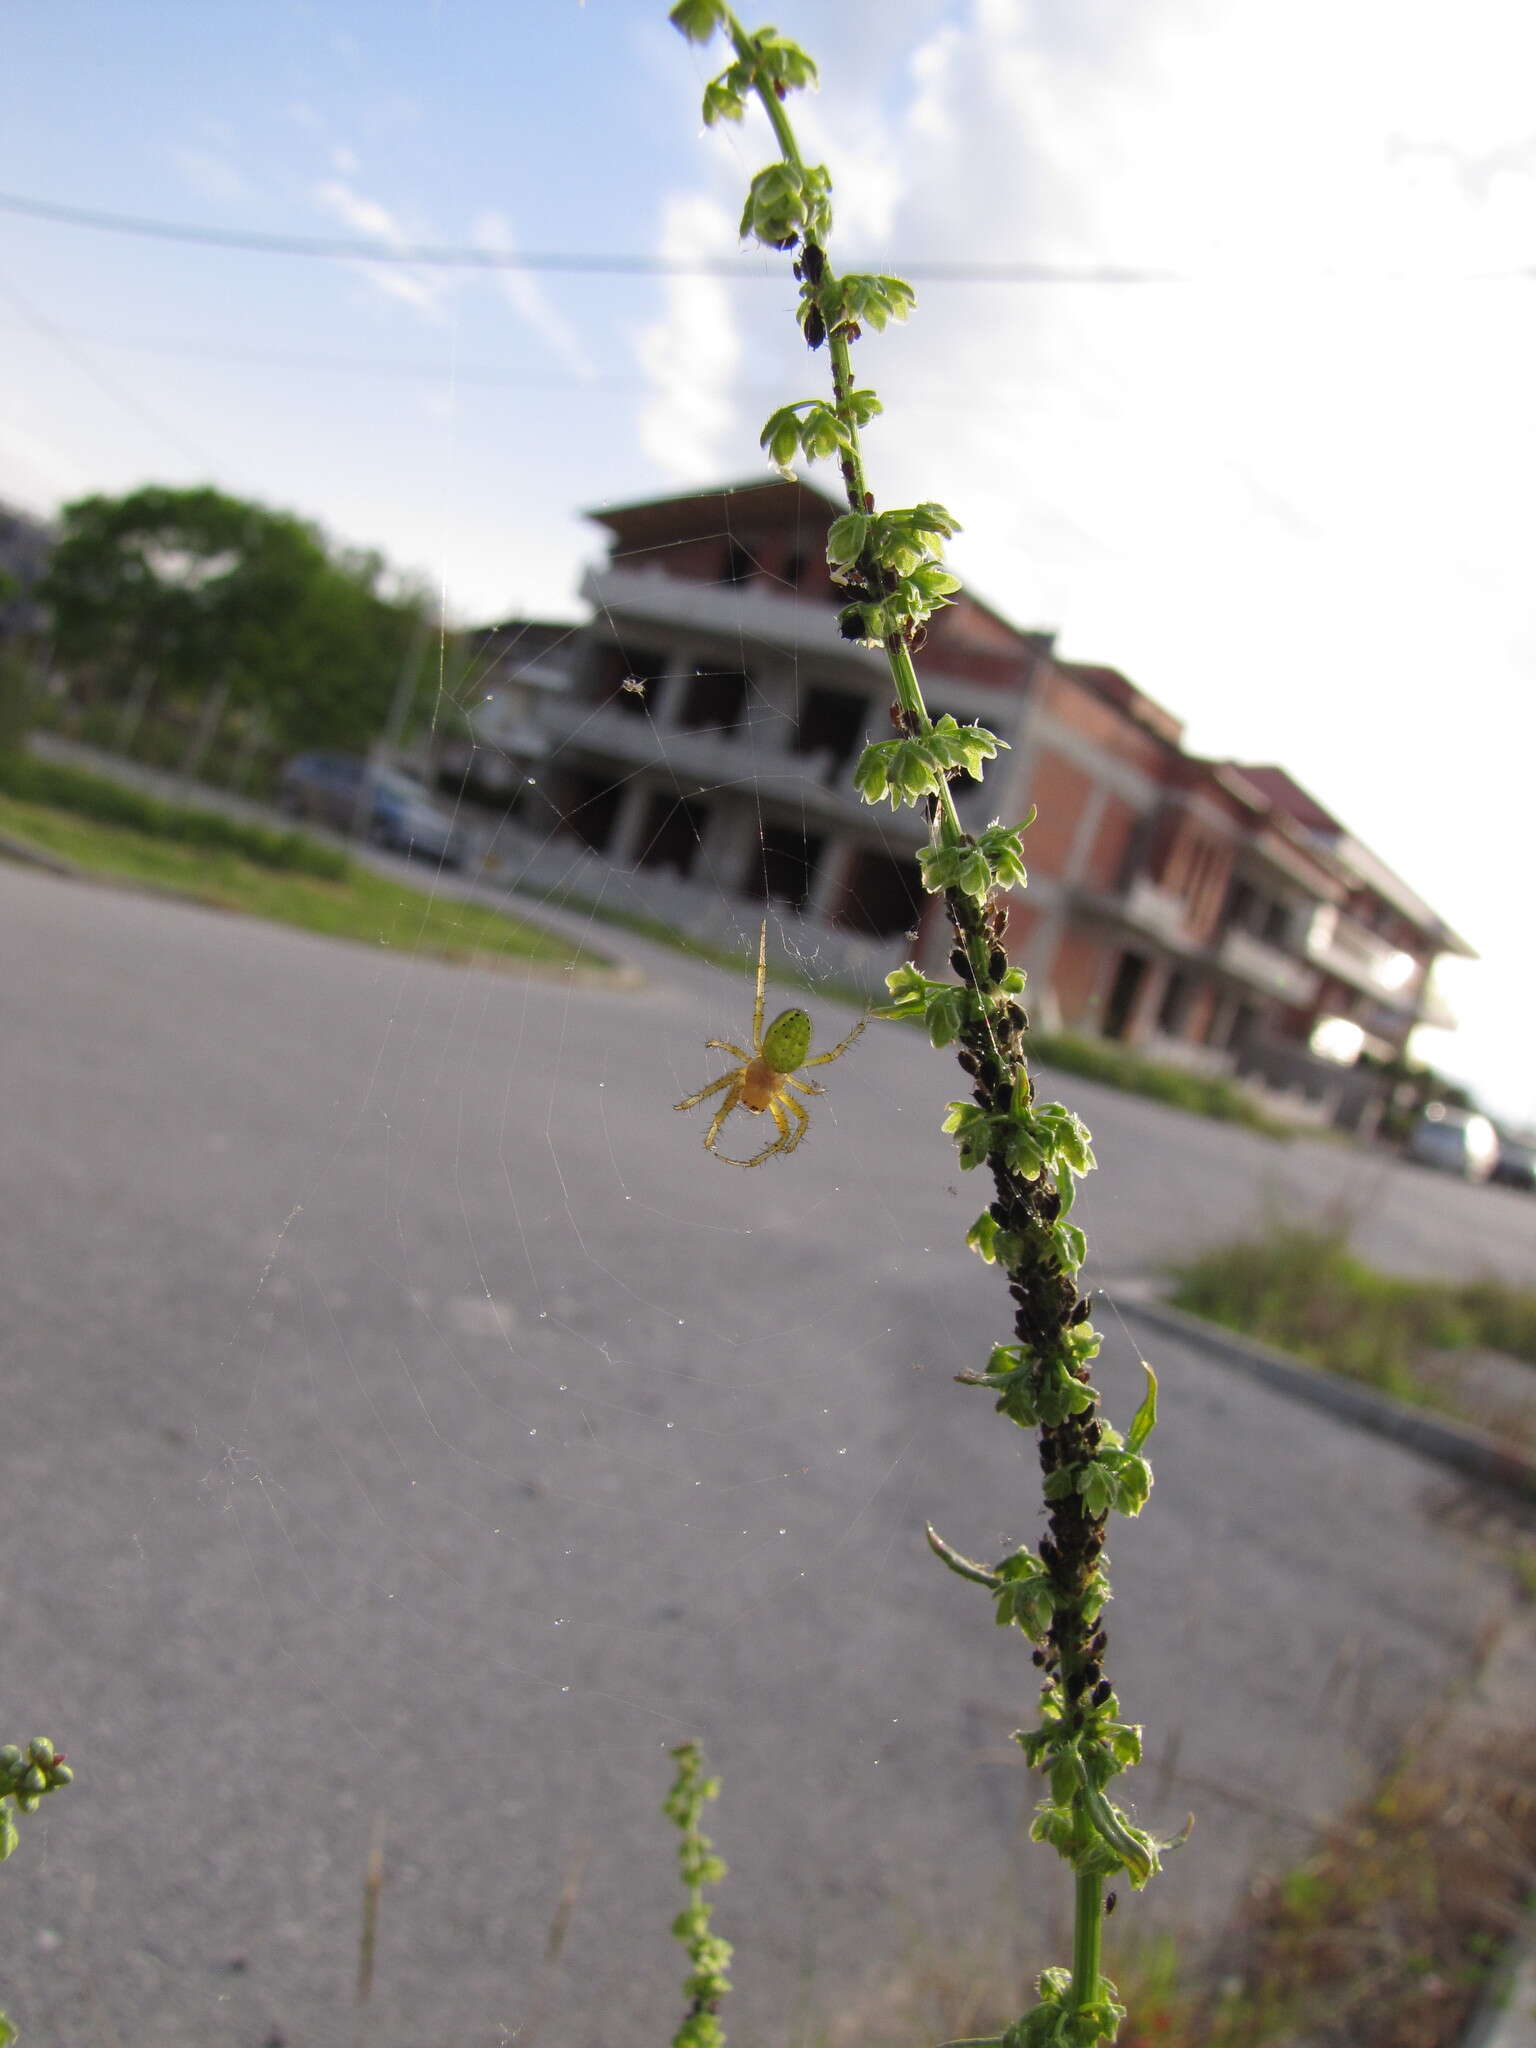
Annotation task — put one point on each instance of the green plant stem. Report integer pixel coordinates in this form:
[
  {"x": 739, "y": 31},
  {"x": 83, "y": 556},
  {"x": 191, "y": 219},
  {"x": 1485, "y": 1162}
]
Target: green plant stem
[
  {"x": 851, "y": 459},
  {"x": 1034, "y": 1152},
  {"x": 1087, "y": 1939}
]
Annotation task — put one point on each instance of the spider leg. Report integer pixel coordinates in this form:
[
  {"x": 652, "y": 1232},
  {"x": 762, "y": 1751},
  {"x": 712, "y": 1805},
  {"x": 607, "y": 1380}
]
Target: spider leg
[
  {"x": 703, "y": 1095},
  {"x": 762, "y": 982},
  {"x": 725, "y": 1045},
  {"x": 713, "y": 1133},
  {"x": 823, "y": 1058},
  {"x": 796, "y": 1110},
  {"x": 805, "y": 1087}
]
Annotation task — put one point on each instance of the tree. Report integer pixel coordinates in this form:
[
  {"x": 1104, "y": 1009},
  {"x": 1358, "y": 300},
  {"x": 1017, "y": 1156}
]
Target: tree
[{"x": 203, "y": 599}]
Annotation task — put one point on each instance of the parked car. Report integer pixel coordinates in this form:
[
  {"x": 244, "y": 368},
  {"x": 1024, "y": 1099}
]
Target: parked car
[
  {"x": 1459, "y": 1141},
  {"x": 345, "y": 792},
  {"x": 1516, "y": 1163}
]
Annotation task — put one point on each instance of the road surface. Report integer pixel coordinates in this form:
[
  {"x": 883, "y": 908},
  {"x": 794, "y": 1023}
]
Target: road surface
[{"x": 409, "y": 1432}]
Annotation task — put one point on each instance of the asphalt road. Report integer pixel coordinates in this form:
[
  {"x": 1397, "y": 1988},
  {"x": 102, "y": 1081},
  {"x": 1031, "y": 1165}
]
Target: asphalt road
[{"x": 409, "y": 1432}]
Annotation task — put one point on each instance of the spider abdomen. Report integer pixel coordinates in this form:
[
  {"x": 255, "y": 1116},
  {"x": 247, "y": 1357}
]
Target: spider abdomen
[
  {"x": 786, "y": 1042},
  {"x": 759, "y": 1084}
]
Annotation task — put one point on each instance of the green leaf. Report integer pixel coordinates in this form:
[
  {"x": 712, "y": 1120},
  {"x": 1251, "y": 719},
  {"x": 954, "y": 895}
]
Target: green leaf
[
  {"x": 971, "y": 1129},
  {"x": 991, "y": 1242},
  {"x": 723, "y": 99},
  {"x": 1070, "y": 1246},
  {"x": 1144, "y": 1421},
  {"x": 858, "y": 300},
  {"x": 1004, "y": 853},
  {"x": 963, "y": 746},
  {"x": 871, "y": 775},
  {"x": 781, "y": 63},
  {"x": 845, "y": 539},
  {"x": 697, "y": 19},
  {"x": 948, "y": 1011},
  {"x": 1021, "y": 1148},
  {"x": 781, "y": 435},
  {"x": 862, "y": 406}
]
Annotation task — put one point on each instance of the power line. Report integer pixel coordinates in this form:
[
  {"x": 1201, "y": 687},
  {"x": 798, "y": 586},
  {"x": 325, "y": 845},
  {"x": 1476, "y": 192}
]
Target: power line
[{"x": 335, "y": 248}]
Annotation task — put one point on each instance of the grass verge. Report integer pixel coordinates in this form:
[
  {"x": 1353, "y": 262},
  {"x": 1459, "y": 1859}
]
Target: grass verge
[
  {"x": 1100, "y": 1059},
  {"x": 1301, "y": 1287},
  {"x": 354, "y": 903},
  {"x": 28, "y": 781},
  {"x": 1388, "y": 1936}
]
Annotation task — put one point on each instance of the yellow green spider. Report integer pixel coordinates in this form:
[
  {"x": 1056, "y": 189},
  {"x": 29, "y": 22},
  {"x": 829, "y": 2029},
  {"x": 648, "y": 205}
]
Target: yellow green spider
[{"x": 767, "y": 1074}]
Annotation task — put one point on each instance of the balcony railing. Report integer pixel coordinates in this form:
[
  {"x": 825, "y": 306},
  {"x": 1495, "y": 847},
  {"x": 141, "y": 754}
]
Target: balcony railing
[
  {"x": 1158, "y": 911},
  {"x": 718, "y": 759},
  {"x": 1347, "y": 950},
  {"x": 1266, "y": 967},
  {"x": 755, "y": 612}
]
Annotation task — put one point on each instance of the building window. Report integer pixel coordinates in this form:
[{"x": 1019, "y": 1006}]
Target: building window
[
  {"x": 784, "y": 865},
  {"x": 1123, "y": 993},
  {"x": 832, "y": 722},
  {"x": 1174, "y": 1007},
  {"x": 882, "y": 896},
  {"x": 588, "y": 806},
  {"x": 673, "y": 829},
  {"x": 714, "y": 700},
  {"x": 739, "y": 566}
]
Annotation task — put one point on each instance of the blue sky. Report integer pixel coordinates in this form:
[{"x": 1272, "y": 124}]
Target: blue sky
[{"x": 1291, "y": 495}]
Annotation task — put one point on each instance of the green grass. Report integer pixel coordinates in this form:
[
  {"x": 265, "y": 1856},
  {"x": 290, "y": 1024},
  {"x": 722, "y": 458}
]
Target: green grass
[
  {"x": 35, "y": 783},
  {"x": 354, "y": 903},
  {"x": 1302, "y": 1288},
  {"x": 1100, "y": 1059}
]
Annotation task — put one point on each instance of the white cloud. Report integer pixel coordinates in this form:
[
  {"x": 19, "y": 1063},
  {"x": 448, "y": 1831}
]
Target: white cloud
[
  {"x": 425, "y": 292},
  {"x": 690, "y": 355},
  {"x": 528, "y": 299}
]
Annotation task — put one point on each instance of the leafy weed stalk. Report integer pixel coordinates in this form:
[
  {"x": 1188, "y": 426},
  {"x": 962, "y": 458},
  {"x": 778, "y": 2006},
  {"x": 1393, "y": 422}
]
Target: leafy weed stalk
[
  {"x": 890, "y": 565},
  {"x": 708, "y": 1955}
]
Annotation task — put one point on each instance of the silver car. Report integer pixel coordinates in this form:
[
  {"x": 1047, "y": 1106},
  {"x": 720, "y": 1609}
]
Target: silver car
[
  {"x": 1460, "y": 1141},
  {"x": 346, "y": 793}
]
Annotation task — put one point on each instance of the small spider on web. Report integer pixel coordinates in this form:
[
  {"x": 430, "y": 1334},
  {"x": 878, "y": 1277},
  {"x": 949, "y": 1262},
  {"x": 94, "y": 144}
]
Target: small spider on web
[{"x": 766, "y": 1075}]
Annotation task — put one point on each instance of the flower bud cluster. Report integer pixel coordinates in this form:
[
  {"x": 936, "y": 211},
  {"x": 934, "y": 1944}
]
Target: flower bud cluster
[{"x": 27, "y": 1776}]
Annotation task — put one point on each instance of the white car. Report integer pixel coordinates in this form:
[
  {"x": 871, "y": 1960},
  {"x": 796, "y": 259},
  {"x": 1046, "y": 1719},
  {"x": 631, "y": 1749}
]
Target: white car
[{"x": 1460, "y": 1141}]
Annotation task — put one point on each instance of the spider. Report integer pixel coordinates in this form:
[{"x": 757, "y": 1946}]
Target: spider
[{"x": 767, "y": 1073}]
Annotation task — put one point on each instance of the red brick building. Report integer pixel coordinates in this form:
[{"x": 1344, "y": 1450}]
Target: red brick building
[{"x": 1207, "y": 912}]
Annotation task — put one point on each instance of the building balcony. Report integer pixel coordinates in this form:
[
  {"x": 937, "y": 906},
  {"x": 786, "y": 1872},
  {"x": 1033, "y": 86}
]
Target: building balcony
[
  {"x": 1266, "y": 967},
  {"x": 1157, "y": 911},
  {"x": 723, "y": 761},
  {"x": 754, "y": 612},
  {"x": 1350, "y": 953}
]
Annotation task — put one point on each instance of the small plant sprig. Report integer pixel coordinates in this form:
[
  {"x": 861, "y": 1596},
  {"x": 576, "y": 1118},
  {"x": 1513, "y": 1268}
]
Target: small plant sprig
[
  {"x": 708, "y": 1955},
  {"x": 27, "y": 1776},
  {"x": 890, "y": 563}
]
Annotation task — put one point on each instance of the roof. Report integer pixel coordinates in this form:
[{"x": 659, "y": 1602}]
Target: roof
[{"x": 1367, "y": 868}]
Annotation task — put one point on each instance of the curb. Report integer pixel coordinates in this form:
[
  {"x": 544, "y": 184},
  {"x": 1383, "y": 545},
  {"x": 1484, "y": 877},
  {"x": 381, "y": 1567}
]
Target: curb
[
  {"x": 1471, "y": 1452},
  {"x": 1507, "y": 2017},
  {"x": 31, "y": 856}
]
